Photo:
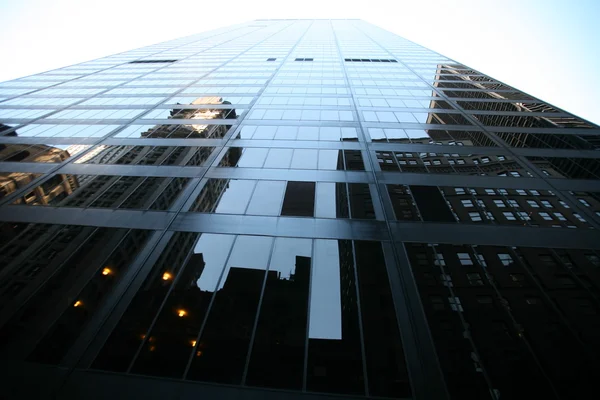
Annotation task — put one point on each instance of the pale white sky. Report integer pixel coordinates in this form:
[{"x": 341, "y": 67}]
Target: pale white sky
[{"x": 547, "y": 48}]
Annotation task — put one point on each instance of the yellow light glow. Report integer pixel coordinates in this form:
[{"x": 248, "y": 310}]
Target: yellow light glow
[
  {"x": 198, "y": 353},
  {"x": 166, "y": 276},
  {"x": 152, "y": 348},
  {"x": 193, "y": 343},
  {"x": 181, "y": 313},
  {"x": 106, "y": 271},
  {"x": 78, "y": 303}
]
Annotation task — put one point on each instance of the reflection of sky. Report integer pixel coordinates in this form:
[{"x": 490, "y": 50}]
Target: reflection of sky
[
  {"x": 253, "y": 252},
  {"x": 325, "y": 298},
  {"x": 214, "y": 249}
]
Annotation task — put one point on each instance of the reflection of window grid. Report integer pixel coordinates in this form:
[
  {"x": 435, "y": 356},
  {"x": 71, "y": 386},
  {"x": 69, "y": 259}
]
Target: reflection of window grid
[
  {"x": 455, "y": 304},
  {"x": 464, "y": 258},
  {"x": 505, "y": 259}
]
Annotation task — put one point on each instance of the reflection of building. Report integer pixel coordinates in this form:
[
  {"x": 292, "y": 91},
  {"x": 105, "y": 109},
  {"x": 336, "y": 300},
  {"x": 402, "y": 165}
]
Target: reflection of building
[
  {"x": 481, "y": 89},
  {"x": 104, "y": 285},
  {"x": 196, "y": 130},
  {"x": 130, "y": 191},
  {"x": 513, "y": 302},
  {"x": 50, "y": 191}
]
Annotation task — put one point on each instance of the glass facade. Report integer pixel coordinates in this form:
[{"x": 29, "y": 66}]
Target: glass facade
[{"x": 294, "y": 209}]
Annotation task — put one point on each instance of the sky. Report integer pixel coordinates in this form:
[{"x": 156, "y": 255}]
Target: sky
[{"x": 547, "y": 48}]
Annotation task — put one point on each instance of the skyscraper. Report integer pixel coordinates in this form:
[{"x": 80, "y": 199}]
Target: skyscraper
[{"x": 294, "y": 209}]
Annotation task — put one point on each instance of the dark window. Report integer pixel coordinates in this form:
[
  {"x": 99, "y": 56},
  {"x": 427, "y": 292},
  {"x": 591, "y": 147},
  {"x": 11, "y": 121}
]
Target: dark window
[
  {"x": 475, "y": 279},
  {"x": 151, "y": 61},
  {"x": 533, "y": 301},
  {"x": 370, "y": 60},
  {"x": 437, "y": 303},
  {"x": 277, "y": 357},
  {"x": 271, "y": 59},
  {"x": 565, "y": 280},
  {"x": 334, "y": 361},
  {"x": 222, "y": 346},
  {"x": 303, "y": 59},
  {"x": 386, "y": 371},
  {"x": 593, "y": 259},
  {"x": 299, "y": 199}
]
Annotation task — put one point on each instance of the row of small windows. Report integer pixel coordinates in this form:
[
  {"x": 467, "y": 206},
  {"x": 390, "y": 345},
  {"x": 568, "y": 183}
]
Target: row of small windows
[{"x": 387, "y": 60}]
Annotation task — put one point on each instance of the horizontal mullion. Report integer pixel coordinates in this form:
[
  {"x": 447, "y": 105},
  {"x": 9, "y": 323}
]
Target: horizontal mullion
[
  {"x": 280, "y": 226},
  {"x": 133, "y": 219},
  {"x": 290, "y": 174},
  {"x": 114, "y": 141},
  {"x": 297, "y": 144},
  {"x": 132, "y": 170},
  {"x": 494, "y": 235}
]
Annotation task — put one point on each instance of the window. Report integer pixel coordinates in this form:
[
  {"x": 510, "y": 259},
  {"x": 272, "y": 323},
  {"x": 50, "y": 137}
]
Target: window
[
  {"x": 516, "y": 174},
  {"x": 475, "y": 279},
  {"x": 559, "y": 216},
  {"x": 533, "y": 204},
  {"x": 546, "y": 204},
  {"x": 509, "y": 216},
  {"x": 533, "y": 301},
  {"x": 370, "y": 60},
  {"x": 429, "y": 279},
  {"x": 485, "y": 159},
  {"x": 586, "y": 306},
  {"x": 489, "y": 215},
  {"x": 565, "y": 280},
  {"x": 499, "y": 203},
  {"x": 505, "y": 259},
  {"x": 513, "y": 203},
  {"x": 465, "y": 258},
  {"x": 585, "y": 203},
  {"x": 467, "y": 203},
  {"x": 439, "y": 260},
  {"x": 490, "y": 191},
  {"x": 546, "y": 216},
  {"x": 475, "y": 216},
  {"x": 534, "y": 192},
  {"x": 562, "y": 203},
  {"x": 303, "y": 59},
  {"x": 271, "y": 59},
  {"x": 579, "y": 217},
  {"x": 455, "y": 304},
  {"x": 501, "y": 158},
  {"x": 521, "y": 192},
  {"x": 481, "y": 260},
  {"x": 593, "y": 259},
  {"x": 504, "y": 192},
  {"x": 422, "y": 259},
  {"x": 437, "y": 303},
  {"x": 547, "y": 259},
  {"x": 446, "y": 280},
  {"x": 566, "y": 260},
  {"x": 151, "y": 61}
]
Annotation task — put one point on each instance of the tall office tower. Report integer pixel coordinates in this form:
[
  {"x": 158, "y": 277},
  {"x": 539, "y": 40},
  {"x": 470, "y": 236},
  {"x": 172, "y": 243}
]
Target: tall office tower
[{"x": 294, "y": 209}]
